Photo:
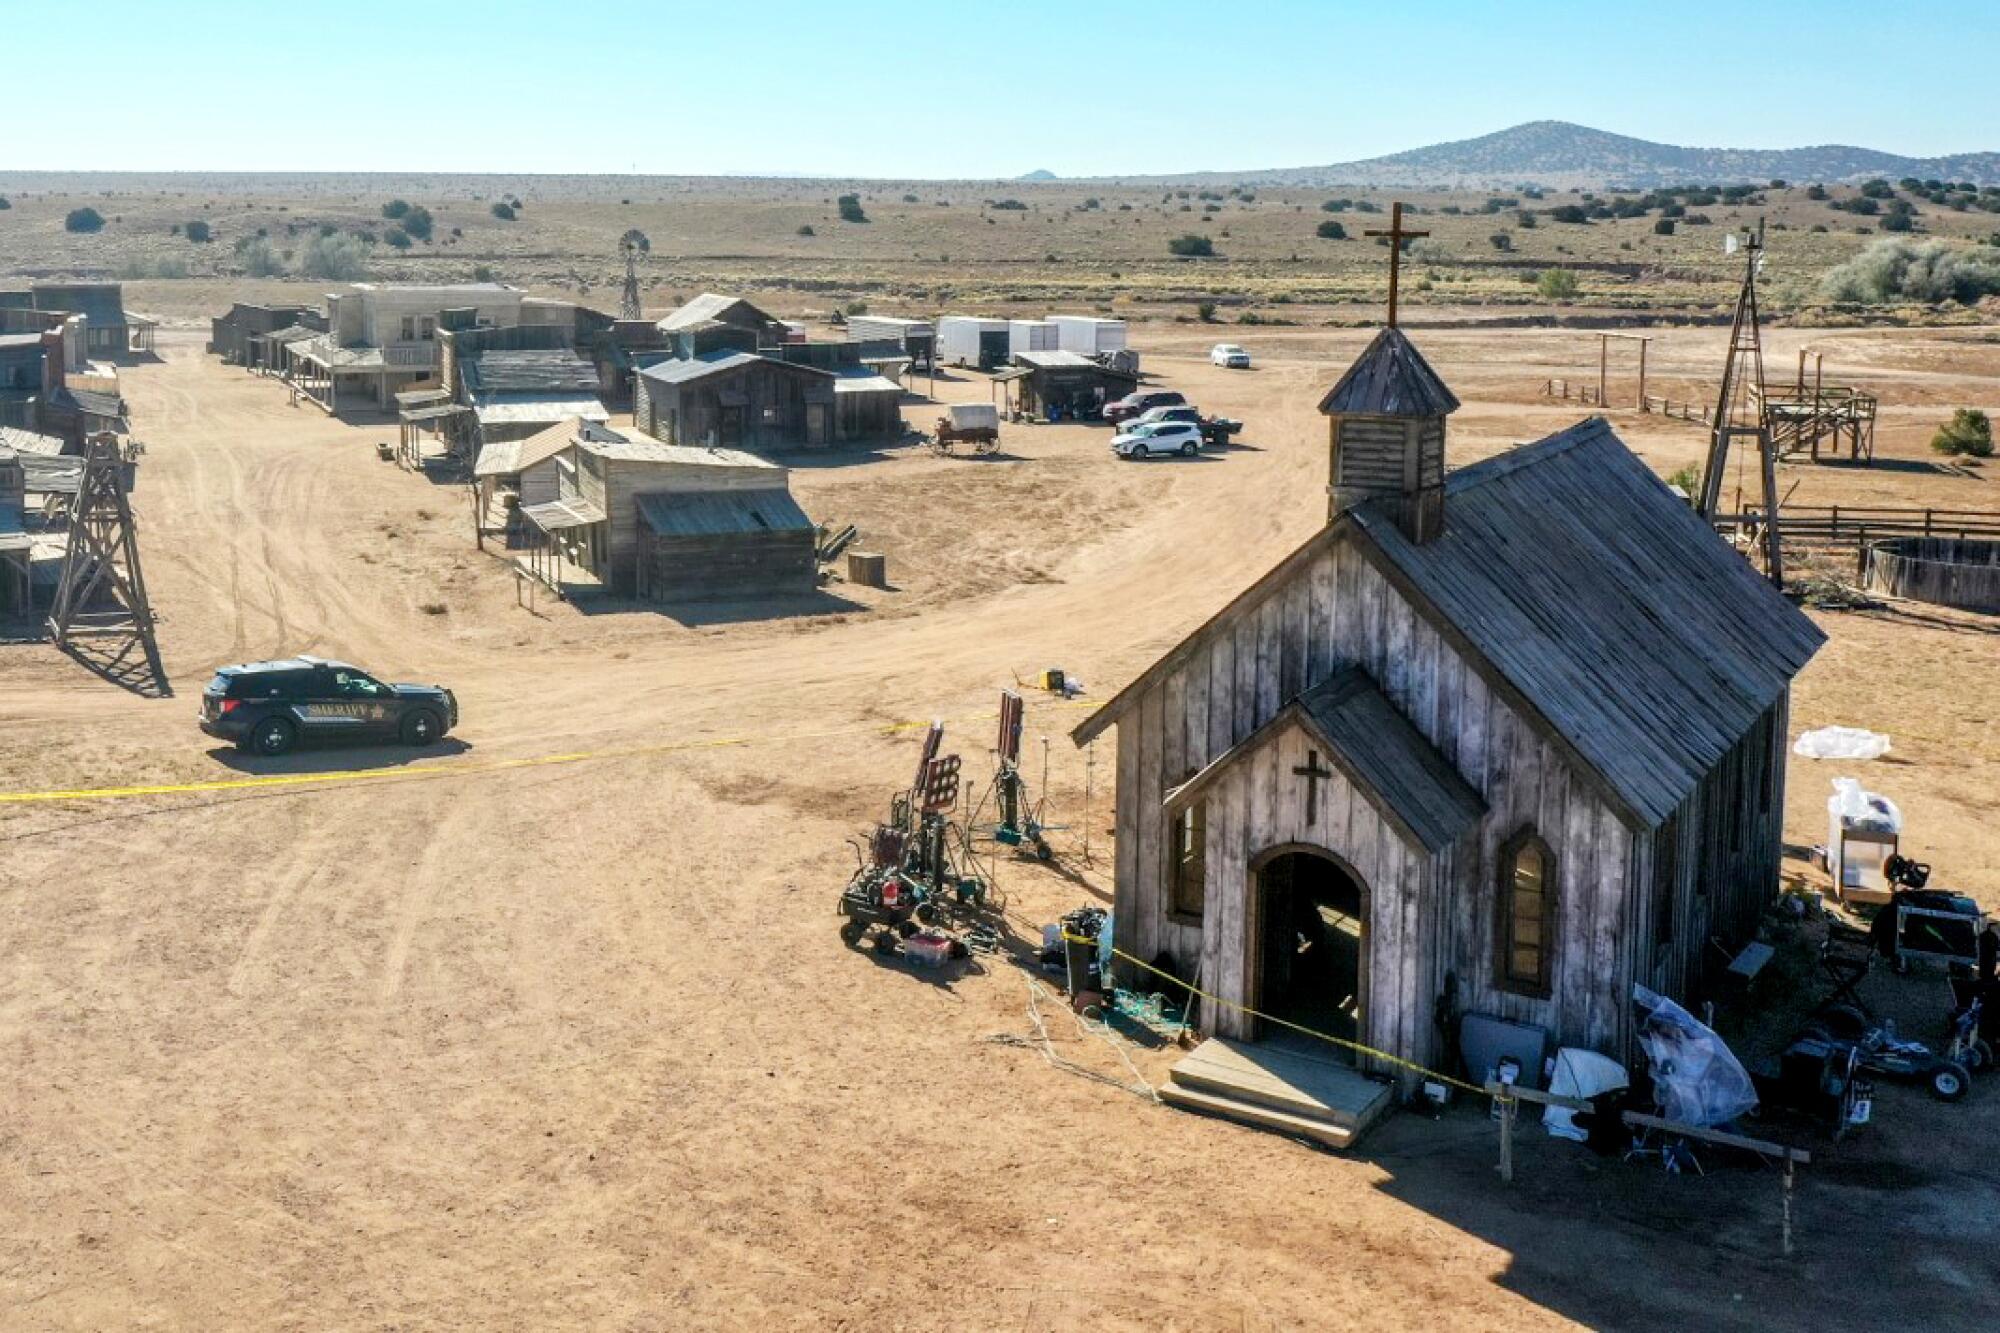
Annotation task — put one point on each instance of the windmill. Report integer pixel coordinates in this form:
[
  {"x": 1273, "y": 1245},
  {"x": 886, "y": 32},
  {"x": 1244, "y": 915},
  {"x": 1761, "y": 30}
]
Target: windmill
[
  {"x": 1739, "y": 407},
  {"x": 632, "y": 244},
  {"x": 102, "y": 594}
]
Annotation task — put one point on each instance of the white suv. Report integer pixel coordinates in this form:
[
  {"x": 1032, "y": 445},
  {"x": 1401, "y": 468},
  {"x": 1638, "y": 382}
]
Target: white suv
[
  {"x": 1230, "y": 355},
  {"x": 1158, "y": 437}
]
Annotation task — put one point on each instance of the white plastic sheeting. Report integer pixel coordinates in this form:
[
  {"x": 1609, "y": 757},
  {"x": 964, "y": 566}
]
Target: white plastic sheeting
[
  {"x": 1841, "y": 743},
  {"x": 1697, "y": 1080},
  {"x": 1581, "y": 1074}
]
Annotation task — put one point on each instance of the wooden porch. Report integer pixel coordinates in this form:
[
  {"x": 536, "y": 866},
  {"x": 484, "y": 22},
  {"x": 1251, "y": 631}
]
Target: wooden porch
[{"x": 1277, "y": 1086}]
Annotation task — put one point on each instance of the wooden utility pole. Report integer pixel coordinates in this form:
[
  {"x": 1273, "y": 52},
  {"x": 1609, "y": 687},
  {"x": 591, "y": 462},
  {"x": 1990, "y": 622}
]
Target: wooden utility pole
[
  {"x": 1396, "y": 236},
  {"x": 102, "y": 593}
]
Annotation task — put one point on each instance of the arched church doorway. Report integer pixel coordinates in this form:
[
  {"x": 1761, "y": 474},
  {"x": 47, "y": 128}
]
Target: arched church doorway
[{"x": 1310, "y": 952}]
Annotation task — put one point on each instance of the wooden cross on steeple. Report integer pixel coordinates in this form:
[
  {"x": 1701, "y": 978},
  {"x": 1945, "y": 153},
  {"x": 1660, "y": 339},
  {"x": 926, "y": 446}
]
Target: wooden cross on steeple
[{"x": 1396, "y": 236}]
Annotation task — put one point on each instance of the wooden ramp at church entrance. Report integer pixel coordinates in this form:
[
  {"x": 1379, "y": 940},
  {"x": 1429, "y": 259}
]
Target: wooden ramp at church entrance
[{"x": 1309, "y": 969}]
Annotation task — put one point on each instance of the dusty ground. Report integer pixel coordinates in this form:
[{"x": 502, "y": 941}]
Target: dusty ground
[{"x": 578, "y": 1046}]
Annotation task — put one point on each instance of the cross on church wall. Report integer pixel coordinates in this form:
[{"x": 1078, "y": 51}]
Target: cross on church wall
[
  {"x": 1397, "y": 236},
  {"x": 1314, "y": 774}
]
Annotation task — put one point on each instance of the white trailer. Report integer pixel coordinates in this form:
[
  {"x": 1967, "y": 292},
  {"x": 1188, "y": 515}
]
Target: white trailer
[
  {"x": 968, "y": 340},
  {"x": 917, "y": 337},
  {"x": 1088, "y": 335},
  {"x": 1031, "y": 335}
]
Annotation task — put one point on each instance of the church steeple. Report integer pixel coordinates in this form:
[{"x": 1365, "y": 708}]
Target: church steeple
[{"x": 1386, "y": 422}]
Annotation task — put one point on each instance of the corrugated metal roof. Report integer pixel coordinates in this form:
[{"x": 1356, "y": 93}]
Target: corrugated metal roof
[
  {"x": 688, "y": 370},
  {"x": 1621, "y": 616},
  {"x": 538, "y": 371},
  {"x": 529, "y": 408},
  {"x": 558, "y": 515},
  {"x": 721, "y": 513},
  {"x": 1053, "y": 360},
  {"x": 29, "y": 442},
  {"x": 867, "y": 384},
  {"x": 90, "y": 401},
  {"x": 504, "y": 458},
  {"x": 711, "y": 306},
  {"x": 53, "y": 474},
  {"x": 1390, "y": 379}
]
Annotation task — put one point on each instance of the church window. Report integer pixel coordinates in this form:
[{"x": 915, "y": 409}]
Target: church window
[
  {"x": 1527, "y": 914},
  {"x": 1188, "y": 875}
]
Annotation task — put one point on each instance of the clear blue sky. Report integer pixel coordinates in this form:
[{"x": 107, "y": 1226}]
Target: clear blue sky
[{"x": 849, "y": 87}]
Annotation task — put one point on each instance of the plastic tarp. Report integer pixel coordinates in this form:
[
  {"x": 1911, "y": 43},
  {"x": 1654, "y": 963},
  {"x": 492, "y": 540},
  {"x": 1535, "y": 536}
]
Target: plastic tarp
[
  {"x": 1862, "y": 810},
  {"x": 1841, "y": 743},
  {"x": 1584, "y": 1075},
  {"x": 1696, "y": 1078}
]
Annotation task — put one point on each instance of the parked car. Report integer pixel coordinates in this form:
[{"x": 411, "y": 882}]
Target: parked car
[
  {"x": 1156, "y": 438},
  {"x": 1232, "y": 355},
  {"x": 1132, "y": 404},
  {"x": 268, "y": 707},
  {"x": 1214, "y": 430}
]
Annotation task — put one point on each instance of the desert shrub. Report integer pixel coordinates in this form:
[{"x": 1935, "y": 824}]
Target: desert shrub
[
  {"x": 1501, "y": 240},
  {"x": 1525, "y": 220},
  {"x": 850, "y": 208},
  {"x": 1330, "y": 231},
  {"x": 83, "y": 221},
  {"x": 1968, "y": 432},
  {"x": 909, "y": 199},
  {"x": 1570, "y": 213},
  {"x": 395, "y": 208},
  {"x": 1336, "y": 205},
  {"x": 1898, "y": 222},
  {"x": 1664, "y": 227},
  {"x": 1008, "y": 205},
  {"x": 1900, "y": 270},
  {"x": 339, "y": 258},
  {"x": 484, "y": 273},
  {"x": 5, "y": 203},
  {"x": 417, "y": 222},
  {"x": 1557, "y": 284},
  {"x": 1877, "y": 189},
  {"x": 1205, "y": 311},
  {"x": 855, "y": 308},
  {"x": 805, "y": 229},
  {"x": 1815, "y": 192},
  {"x": 503, "y": 210},
  {"x": 257, "y": 257},
  {"x": 397, "y": 238},
  {"x": 1688, "y": 479},
  {"x": 199, "y": 233},
  {"x": 160, "y": 266},
  {"x": 1188, "y": 245}
]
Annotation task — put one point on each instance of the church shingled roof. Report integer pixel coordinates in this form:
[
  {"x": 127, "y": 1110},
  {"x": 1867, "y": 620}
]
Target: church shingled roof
[{"x": 1390, "y": 379}]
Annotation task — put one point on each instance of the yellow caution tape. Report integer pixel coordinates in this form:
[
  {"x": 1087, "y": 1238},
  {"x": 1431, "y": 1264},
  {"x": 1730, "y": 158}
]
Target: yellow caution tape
[
  {"x": 1356, "y": 1046},
  {"x": 462, "y": 770}
]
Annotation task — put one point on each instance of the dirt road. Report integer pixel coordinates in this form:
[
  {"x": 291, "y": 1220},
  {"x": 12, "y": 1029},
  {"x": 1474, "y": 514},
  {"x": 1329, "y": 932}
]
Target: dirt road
[{"x": 578, "y": 1046}]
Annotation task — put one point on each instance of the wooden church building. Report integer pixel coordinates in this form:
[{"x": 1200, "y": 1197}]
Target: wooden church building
[{"x": 1503, "y": 741}]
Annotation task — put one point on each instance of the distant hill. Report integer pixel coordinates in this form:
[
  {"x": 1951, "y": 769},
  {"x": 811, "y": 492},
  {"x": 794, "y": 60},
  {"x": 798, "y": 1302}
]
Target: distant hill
[
  {"x": 1560, "y": 155},
  {"x": 1043, "y": 174}
]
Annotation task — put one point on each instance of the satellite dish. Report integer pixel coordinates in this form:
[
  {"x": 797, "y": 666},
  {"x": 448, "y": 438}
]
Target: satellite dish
[{"x": 1729, "y": 244}]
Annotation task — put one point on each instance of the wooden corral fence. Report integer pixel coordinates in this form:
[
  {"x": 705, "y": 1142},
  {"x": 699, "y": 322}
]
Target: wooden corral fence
[
  {"x": 1948, "y": 571},
  {"x": 1856, "y": 527},
  {"x": 1592, "y": 395}
]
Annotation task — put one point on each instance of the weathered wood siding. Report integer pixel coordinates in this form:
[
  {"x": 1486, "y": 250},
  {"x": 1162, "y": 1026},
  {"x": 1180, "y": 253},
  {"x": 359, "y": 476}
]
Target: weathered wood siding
[
  {"x": 1708, "y": 873},
  {"x": 1339, "y": 610}
]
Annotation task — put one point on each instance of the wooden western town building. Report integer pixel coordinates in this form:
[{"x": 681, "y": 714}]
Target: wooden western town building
[{"x": 1504, "y": 741}]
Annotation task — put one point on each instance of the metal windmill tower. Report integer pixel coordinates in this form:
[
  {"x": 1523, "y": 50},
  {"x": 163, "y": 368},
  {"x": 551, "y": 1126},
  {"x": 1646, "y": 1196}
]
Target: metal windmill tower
[
  {"x": 102, "y": 594},
  {"x": 1739, "y": 408},
  {"x": 633, "y": 244}
]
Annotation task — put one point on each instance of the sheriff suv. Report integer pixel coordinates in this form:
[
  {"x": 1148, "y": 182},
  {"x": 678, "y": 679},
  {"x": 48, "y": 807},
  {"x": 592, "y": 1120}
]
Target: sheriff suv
[{"x": 268, "y": 707}]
